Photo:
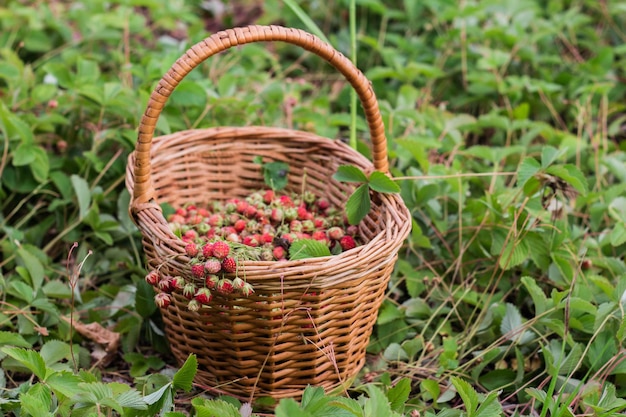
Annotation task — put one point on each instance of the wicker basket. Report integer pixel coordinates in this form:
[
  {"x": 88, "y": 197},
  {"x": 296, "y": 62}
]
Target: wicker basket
[{"x": 309, "y": 321}]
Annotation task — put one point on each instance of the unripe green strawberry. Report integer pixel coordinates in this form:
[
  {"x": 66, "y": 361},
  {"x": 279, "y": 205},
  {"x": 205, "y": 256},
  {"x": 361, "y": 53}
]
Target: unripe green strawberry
[
  {"x": 189, "y": 291},
  {"x": 163, "y": 300},
  {"x": 290, "y": 213},
  {"x": 308, "y": 226},
  {"x": 247, "y": 289},
  {"x": 193, "y": 305}
]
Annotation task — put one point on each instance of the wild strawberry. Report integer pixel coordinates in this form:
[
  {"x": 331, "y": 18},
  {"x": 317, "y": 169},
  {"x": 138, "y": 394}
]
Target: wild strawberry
[
  {"x": 203, "y": 212},
  {"x": 193, "y": 305},
  {"x": 162, "y": 299},
  {"x": 335, "y": 233},
  {"x": 204, "y": 296},
  {"x": 233, "y": 237},
  {"x": 268, "y": 196},
  {"x": 238, "y": 283},
  {"x": 181, "y": 212},
  {"x": 177, "y": 284},
  {"x": 250, "y": 211},
  {"x": 266, "y": 254},
  {"x": 240, "y": 225},
  {"x": 266, "y": 237},
  {"x": 165, "y": 284},
  {"x": 190, "y": 236},
  {"x": 191, "y": 207},
  {"x": 302, "y": 235},
  {"x": 221, "y": 249},
  {"x": 285, "y": 201},
  {"x": 191, "y": 249},
  {"x": 309, "y": 197},
  {"x": 210, "y": 234},
  {"x": 290, "y": 213},
  {"x": 295, "y": 226},
  {"x": 322, "y": 204},
  {"x": 225, "y": 286},
  {"x": 207, "y": 250},
  {"x": 308, "y": 226},
  {"x": 229, "y": 265},
  {"x": 212, "y": 266},
  {"x": 216, "y": 220},
  {"x": 153, "y": 278},
  {"x": 197, "y": 270},
  {"x": 279, "y": 253},
  {"x": 289, "y": 237},
  {"x": 195, "y": 219},
  {"x": 189, "y": 290},
  {"x": 253, "y": 226},
  {"x": 352, "y": 230},
  {"x": 347, "y": 242},
  {"x": 250, "y": 240},
  {"x": 227, "y": 230},
  {"x": 303, "y": 213},
  {"x": 247, "y": 289},
  {"x": 176, "y": 218},
  {"x": 241, "y": 206},
  {"x": 277, "y": 215},
  {"x": 211, "y": 281},
  {"x": 319, "y": 235},
  {"x": 320, "y": 223}
]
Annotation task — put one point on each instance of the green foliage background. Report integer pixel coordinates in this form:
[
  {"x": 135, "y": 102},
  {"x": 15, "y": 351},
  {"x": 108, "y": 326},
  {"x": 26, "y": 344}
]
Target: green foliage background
[{"x": 506, "y": 123}]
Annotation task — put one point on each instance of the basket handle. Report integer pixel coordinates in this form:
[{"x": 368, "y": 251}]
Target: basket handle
[{"x": 220, "y": 41}]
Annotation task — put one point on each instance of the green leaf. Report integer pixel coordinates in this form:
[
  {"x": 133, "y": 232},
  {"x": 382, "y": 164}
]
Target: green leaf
[
  {"x": 490, "y": 406},
  {"x": 214, "y": 408},
  {"x": 549, "y": 154},
  {"x": 32, "y": 264},
  {"x": 618, "y": 235},
  {"x": 64, "y": 383},
  {"x": 37, "y": 401},
  {"x": 183, "y": 378},
  {"x": 527, "y": 169},
  {"x": 28, "y": 358},
  {"x": 348, "y": 404},
  {"x": 377, "y": 404},
  {"x": 308, "y": 248},
  {"x": 83, "y": 194},
  {"x": 40, "y": 166},
  {"x": 512, "y": 326},
  {"x": 288, "y": 407},
  {"x": 540, "y": 300},
  {"x": 158, "y": 395},
  {"x": 399, "y": 394},
  {"x": 54, "y": 351},
  {"x": 382, "y": 183},
  {"x": 132, "y": 399},
  {"x": 468, "y": 395},
  {"x": 13, "y": 339},
  {"x": 358, "y": 205},
  {"x": 349, "y": 173},
  {"x": 514, "y": 254},
  {"x": 570, "y": 174},
  {"x": 275, "y": 175},
  {"x": 24, "y": 154}
]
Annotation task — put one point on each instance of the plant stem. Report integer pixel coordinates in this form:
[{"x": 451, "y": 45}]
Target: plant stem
[{"x": 353, "y": 51}]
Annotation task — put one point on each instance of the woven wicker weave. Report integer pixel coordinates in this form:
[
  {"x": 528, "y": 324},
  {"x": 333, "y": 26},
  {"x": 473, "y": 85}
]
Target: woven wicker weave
[{"x": 309, "y": 321}]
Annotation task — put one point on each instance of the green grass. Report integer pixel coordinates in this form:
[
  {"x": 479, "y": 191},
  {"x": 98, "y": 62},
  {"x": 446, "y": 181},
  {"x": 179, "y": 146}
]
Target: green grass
[{"x": 506, "y": 124}]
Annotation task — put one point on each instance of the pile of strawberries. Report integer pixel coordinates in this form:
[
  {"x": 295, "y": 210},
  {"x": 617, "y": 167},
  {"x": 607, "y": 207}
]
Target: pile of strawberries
[{"x": 261, "y": 226}]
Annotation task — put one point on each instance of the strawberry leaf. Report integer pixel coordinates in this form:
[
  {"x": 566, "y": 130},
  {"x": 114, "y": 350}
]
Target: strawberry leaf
[
  {"x": 275, "y": 175},
  {"x": 358, "y": 205},
  {"x": 308, "y": 248},
  {"x": 349, "y": 173},
  {"x": 382, "y": 183}
]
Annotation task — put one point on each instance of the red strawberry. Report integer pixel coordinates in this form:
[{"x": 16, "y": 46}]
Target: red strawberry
[
  {"x": 225, "y": 286},
  {"x": 176, "y": 218},
  {"x": 251, "y": 240},
  {"x": 347, "y": 242},
  {"x": 323, "y": 204},
  {"x": 211, "y": 281},
  {"x": 286, "y": 201},
  {"x": 221, "y": 249},
  {"x": 267, "y": 237},
  {"x": 197, "y": 270},
  {"x": 181, "y": 212},
  {"x": 207, "y": 250},
  {"x": 240, "y": 225},
  {"x": 233, "y": 237},
  {"x": 195, "y": 219},
  {"x": 335, "y": 233},
  {"x": 268, "y": 196},
  {"x": 320, "y": 223},
  {"x": 191, "y": 249},
  {"x": 303, "y": 213},
  {"x": 177, "y": 284},
  {"x": 229, "y": 265},
  {"x": 279, "y": 253},
  {"x": 250, "y": 211},
  {"x": 162, "y": 299},
  {"x": 204, "y": 296},
  {"x": 189, "y": 290},
  {"x": 319, "y": 235},
  {"x": 212, "y": 266},
  {"x": 241, "y": 206},
  {"x": 352, "y": 230},
  {"x": 203, "y": 212},
  {"x": 153, "y": 278},
  {"x": 191, "y": 207},
  {"x": 190, "y": 236}
]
